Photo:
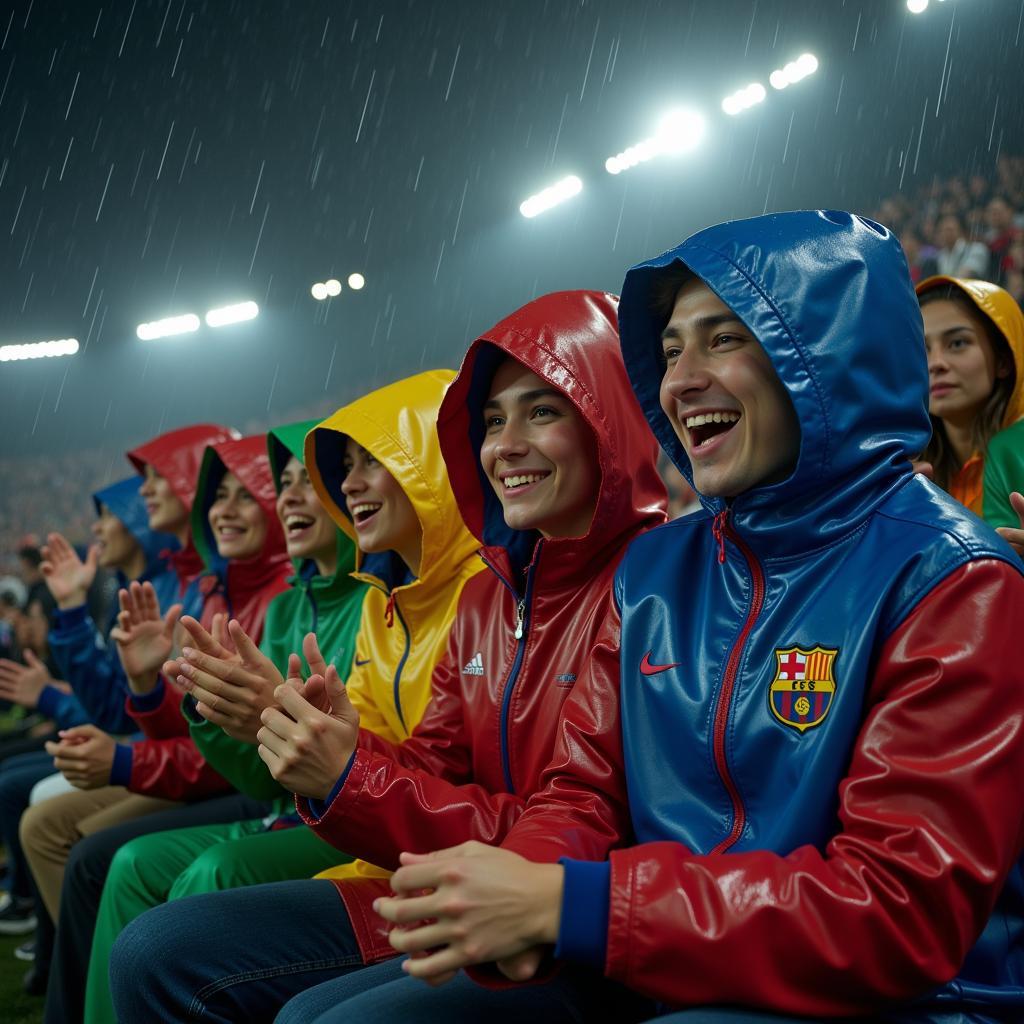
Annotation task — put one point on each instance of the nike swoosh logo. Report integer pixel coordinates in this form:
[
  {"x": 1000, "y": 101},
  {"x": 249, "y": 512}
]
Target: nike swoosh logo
[
  {"x": 365, "y": 661},
  {"x": 652, "y": 670}
]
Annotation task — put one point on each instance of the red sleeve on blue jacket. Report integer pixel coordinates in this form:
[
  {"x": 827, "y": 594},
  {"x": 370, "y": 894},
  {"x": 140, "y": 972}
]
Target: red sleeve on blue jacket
[{"x": 931, "y": 821}]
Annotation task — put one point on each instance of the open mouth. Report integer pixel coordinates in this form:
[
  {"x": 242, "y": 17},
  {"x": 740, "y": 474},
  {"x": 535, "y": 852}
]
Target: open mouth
[
  {"x": 229, "y": 532},
  {"x": 365, "y": 511},
  {"x": 707, "y": 426},
  {"x": 517, "y": 482},
  {"x": 296, "y": 526}
]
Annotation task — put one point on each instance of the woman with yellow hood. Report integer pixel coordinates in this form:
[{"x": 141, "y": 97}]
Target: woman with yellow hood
[{"x": 974, "y": 334}]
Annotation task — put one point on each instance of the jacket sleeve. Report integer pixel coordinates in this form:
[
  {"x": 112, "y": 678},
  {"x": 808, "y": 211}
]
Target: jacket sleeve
[
  {"x": 1004, "y": 473},
  {"x": 64, "y": 709},
  {"x": 173, "y": 769},
  {"x": 236, "y": 761},
  {"x": 92, "y": 668},
  {"x": 414, "y": 795},
  {"x": 929, "y": 826},
  {"x": 158, "y": 714}
]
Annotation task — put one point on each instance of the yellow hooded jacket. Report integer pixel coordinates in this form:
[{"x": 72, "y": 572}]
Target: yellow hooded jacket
[
  {"x": 998, "y": 306},
  {"x": 405, "y": 621}
]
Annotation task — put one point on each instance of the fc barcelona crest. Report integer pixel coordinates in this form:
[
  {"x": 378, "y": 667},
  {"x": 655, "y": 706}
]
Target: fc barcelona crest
[{"x": 804, "y": 686}]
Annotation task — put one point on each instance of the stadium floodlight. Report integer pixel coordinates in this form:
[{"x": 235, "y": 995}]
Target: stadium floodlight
[
  {"x": 679, "y": 131},
  {"x": 551, "y": 196},
  {"x": 744, "y": 98},
  {"x": 356, "y": 281},
  {"x": 39, "y": 350},
  {"x": 171, "y": 325},
  {"x": 234, "y": 314},
  {"x": 917, "y": 6},
  {"x": 333, "y": 287},
  {"x": 319, "y": 291},
  {"x": 806, "y": 64}
]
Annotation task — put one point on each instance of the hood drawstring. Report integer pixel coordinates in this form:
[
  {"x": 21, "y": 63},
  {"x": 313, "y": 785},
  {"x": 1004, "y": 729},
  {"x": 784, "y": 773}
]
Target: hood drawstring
[
  {"x": 389, "y": 611},
  {"x": 718, "y": 526}
]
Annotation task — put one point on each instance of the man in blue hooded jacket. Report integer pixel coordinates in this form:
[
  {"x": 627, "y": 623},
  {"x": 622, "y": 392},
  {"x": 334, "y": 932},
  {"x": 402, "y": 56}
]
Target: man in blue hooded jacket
[{"x": 813, "y": 726}]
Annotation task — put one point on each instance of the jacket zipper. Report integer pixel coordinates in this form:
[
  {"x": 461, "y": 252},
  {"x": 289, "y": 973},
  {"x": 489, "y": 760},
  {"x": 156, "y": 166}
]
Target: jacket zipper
[
  {"x": 313, "y": 607},
  {"x": 520, "y": 634},
  {"x": 396, "y": 691},
  {"x": 739, "y": 819}
]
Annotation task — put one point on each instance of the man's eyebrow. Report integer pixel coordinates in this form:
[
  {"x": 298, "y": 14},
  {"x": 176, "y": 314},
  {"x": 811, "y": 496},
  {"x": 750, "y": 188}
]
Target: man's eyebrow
[
  {"x": 527, "y": 396},
  {"x": 703, "y": 323}
]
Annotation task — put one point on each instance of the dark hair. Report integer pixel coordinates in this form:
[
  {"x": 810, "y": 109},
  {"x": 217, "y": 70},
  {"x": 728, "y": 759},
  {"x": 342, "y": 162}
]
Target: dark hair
[
  {"x": 989, "y": 420},
  {"x": 666, "y": 288},
  {"x": 31, "y": 554}
]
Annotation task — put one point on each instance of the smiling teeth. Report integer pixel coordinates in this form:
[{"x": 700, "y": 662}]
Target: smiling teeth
[
  {"x": 526, "y": 478},
  {"x": 366, "y": 507},
  {"x": 300, "y": 521},
  {"x": 712, "y": 417}
]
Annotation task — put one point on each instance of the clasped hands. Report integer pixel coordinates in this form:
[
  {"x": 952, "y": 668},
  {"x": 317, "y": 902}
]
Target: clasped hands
[
  {"x": 306, "y": 730},
  {"x": 473, "y": 904}
]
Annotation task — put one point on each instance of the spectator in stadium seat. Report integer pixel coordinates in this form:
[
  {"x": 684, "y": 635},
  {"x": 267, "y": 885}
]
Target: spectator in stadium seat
[
  {"x": 812, "y": 725},
  {"x": 958, "y": 257},
  {"x": 974, "y": 336},
  {"x": 1002, "y": 231},
  {"x": 554, "y": 472}
]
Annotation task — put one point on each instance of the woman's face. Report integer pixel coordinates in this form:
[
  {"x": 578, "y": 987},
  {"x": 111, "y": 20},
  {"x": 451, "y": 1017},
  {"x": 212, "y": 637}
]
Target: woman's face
[
  {"x": 962, "y": 364},
  {"x": 238, "y": 523},
  {"x": 117, "y": 547},
  {"x": 381, "y": 512},
  {"x": 309, "y": 531},
  {"x": 539, "y": 455},
  {"x": 167, "y": 512}
]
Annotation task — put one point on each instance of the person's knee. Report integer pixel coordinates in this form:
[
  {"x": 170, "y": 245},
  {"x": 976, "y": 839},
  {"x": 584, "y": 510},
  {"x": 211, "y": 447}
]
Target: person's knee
[
  {"x": 35, "y": 829},
  {"x": 215, "y": 869},
  {"x": 140, "y": 961}
]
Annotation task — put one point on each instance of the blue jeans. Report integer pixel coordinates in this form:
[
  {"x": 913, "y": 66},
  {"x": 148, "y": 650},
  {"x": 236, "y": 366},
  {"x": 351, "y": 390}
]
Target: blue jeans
[
  {"x": 385, "y": 995},
  {"x": 18, "y": 774},
  {"x": 231, "y": 956}
]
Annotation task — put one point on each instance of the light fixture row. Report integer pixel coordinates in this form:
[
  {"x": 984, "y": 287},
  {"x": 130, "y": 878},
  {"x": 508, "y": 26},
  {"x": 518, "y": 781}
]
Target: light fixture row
[
  {"x": 39, "y": 350},
  {"x": 332, "y": 287},
  {"x": 187, "y": 323}
]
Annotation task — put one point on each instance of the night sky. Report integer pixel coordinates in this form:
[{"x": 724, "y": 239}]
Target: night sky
[{"x": 167, "y": 156}]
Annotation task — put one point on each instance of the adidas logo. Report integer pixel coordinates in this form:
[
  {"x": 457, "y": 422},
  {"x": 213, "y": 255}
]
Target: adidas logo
[{"x": 475, "y": 665}]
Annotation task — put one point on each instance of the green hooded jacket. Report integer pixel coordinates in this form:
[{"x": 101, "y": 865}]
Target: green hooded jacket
[{"x": 330, "y": 606}]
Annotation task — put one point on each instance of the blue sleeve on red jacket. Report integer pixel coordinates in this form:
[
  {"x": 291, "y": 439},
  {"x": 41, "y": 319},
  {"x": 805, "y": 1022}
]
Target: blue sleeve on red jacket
[
  {"x": 586, "y": 895},
  {"x": 318, "y": 808},
  {"x": 121, "y": 769},
  {"x": 92, "y": 667},
  {"x": 145, "y": 702},
  {"x": 61, "y": 707}
]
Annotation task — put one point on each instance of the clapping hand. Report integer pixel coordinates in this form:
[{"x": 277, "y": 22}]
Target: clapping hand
[
  {"x": 67, "y": 576},
  {"x": 144, "y": 638}
]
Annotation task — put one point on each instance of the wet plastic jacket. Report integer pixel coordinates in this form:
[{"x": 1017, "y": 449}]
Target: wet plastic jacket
[
  {"x": 813, "y": 723},
  {"x": 329, "y": 606},
  {"x": 982, "y": 490},
  {"x": 522, "y": 627},
  {"x": 168, "y": 764}
]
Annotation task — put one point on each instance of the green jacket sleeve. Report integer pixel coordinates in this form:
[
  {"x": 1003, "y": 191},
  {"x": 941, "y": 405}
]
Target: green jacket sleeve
[
  {"x": 1004, "y": 473},
  {"x": 238, "y": 762}
]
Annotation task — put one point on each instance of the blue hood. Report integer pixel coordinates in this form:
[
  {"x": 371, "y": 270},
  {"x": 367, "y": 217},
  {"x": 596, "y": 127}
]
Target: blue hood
[
  {"x": 124, "y": 501},
  {"x": 829, "y": 296}
]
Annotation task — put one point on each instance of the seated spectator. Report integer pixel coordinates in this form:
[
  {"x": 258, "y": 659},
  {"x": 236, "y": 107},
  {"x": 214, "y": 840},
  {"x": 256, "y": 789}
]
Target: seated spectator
[
  {"x": 957, "y": 257},
  {"x": 1001, "y": 233}
]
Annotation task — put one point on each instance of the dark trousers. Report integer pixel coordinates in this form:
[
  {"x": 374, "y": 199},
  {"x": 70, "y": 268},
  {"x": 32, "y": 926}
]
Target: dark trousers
[
  {"x": 83, "y": 886},
  {"x": 18, "y": 774}
]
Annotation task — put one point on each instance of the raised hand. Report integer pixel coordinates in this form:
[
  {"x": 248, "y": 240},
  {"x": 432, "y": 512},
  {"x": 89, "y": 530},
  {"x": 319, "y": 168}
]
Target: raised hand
[
  {"x": 1012, "y": 535},
  {"x": 84, "y": 755},
  {"x": 144, "y": 638},
  {"x": 22, "y": 684},
  {"x": 232, "y": 680},
  {"x": 307, "y": 749},
  {"x": 66, "y": 575}
]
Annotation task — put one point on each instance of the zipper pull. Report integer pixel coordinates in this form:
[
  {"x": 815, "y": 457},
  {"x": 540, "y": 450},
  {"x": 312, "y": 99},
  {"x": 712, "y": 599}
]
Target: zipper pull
[
  {"x": 718, "y": 529},
  {"x": 520, "y": 613},
  {"x": 389, "y": 611}
]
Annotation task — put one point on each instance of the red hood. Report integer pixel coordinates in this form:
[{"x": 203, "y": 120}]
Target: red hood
[
  {"x": 177, "y": 455},
  {"x": 571, "y": 340}
]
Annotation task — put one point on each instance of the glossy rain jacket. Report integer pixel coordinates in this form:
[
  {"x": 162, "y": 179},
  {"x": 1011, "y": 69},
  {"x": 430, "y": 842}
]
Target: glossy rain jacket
[
  {"x": 523, "y": 627},
  {"x": 998, "y": 307},
  {"x": 168, "y": 764},
  {"x": 813, "y": 724},
  {"x": 86, "y": 658},
  {"x": 329, "y": 606}
]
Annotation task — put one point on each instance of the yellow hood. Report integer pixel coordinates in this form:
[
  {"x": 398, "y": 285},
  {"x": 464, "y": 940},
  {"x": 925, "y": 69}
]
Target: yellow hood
[{"x": 997, "y": 304}]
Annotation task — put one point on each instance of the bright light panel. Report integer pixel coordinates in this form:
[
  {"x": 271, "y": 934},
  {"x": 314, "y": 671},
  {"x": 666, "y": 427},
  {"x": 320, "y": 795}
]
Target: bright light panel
[
  {"x": 319, "y": 291},
  {"x": 806, "y": 64},
  {"x": 917, "y": 6},
  {"x": 171, "y": 325},
  {"x": 552, "y": 196},
  {"x": 39, "y": 350},
  {"x": 679, "y": 131},
  {"x": 356, "y": 281},
  {"x": 235, "y": 314},
  {"x": 744, "y": 98},
  {"x": 333, "y": 287}
]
